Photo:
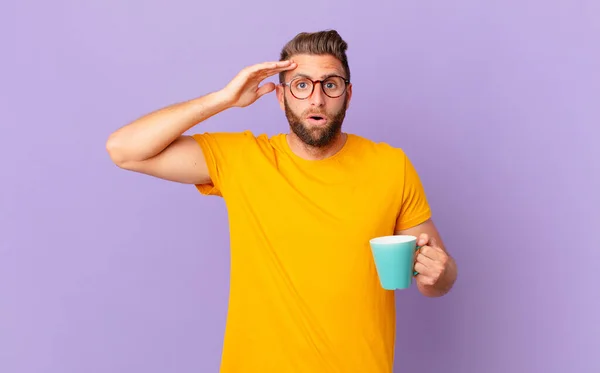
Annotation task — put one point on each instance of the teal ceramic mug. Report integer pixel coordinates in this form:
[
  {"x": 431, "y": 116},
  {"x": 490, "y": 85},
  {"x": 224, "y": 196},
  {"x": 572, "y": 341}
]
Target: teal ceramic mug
[{"x": 394, "y": 258}]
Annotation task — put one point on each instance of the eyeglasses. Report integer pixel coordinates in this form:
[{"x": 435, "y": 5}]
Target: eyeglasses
[{"x": 302, "y": 87}]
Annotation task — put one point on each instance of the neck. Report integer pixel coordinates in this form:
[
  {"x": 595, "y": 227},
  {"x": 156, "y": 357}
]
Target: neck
[{"x": 312, "y": 153}]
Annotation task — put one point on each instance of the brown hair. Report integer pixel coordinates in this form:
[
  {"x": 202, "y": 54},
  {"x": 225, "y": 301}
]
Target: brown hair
[{"x": 317, "y": 43}]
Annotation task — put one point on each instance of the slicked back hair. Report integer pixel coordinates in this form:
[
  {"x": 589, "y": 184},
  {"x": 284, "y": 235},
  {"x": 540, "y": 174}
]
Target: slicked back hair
[{"x": 317, "y": 43}]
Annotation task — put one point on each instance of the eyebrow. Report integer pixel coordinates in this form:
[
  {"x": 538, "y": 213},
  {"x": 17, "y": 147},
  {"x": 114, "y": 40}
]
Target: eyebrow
[{"x": 323, "y": 77}]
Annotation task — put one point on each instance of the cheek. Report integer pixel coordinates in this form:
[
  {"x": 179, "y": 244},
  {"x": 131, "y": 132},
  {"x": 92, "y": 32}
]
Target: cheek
[
  {"x": 297, "y": 107},
  {"x": 336, "y": 107}
]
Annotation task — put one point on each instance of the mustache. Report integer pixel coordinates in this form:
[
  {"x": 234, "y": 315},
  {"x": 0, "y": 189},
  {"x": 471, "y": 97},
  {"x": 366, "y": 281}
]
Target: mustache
[{"x": 315, "y": 112}]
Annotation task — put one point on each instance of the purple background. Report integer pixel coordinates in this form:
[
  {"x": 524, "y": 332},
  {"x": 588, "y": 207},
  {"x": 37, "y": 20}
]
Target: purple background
[{"x": 496, "y": 102}]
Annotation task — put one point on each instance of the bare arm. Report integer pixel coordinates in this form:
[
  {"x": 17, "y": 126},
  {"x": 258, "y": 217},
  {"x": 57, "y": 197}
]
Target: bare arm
[
  {"x": 155, "y": 145},
  {"x": 437, "y": 269}
]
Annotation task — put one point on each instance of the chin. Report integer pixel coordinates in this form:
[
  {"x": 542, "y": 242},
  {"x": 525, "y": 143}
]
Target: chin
[{"x": 317, "y": 136}]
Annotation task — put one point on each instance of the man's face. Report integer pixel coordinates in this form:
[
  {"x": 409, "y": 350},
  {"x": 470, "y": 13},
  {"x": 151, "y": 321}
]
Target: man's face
[{"x": 317, "y": 119}]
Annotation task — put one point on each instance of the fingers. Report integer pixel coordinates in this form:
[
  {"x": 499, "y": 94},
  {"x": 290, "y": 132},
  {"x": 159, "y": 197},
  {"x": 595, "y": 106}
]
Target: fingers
[
  {"x": 430, "y": 260},
  {"x": 428, "y": 269},
  {"x": 421, "y": 269},
  {"x": 426, "y": 251},
  {"x": 266, "y": 69},
  {"x": 424, "y": 278},
  {"x": 269, "y": 87},
  {"x": 425, "y": 260},
  {"x": 244, "y": 88},
  {"x": 431, "y": 252},
  {"x": 422, "y": 239},
  {"x": 287, "y": 64}
]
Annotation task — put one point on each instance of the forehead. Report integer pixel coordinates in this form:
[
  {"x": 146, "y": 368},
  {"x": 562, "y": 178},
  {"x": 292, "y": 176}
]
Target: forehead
[{"x": 315, "y": 67}]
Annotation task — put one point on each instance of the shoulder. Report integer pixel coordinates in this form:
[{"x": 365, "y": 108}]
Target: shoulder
[
  {"x": 239, "y": 138},
  {"x": 380, "y": 150},
  {"x": 246, "y": 135},
  {"x": 242, "y": 144}
]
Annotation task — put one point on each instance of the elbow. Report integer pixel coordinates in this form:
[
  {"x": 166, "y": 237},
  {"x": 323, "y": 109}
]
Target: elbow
[{"x": 115, "y": 151}]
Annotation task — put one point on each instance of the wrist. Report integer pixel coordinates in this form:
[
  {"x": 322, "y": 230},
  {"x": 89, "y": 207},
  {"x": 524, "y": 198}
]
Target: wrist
[
  {"x": 206, "y": 106},
  {"x": 222, "y": 99}
]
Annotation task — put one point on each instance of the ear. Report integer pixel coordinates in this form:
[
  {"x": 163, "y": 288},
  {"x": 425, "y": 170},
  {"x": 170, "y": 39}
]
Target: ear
[
  {"x": 349, "y": 95},
  {"x": 279, "y": 90}
]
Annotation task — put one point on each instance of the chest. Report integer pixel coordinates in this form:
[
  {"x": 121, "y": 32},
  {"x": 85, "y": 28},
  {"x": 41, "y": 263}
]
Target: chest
[{"x": 349, "y": 204}]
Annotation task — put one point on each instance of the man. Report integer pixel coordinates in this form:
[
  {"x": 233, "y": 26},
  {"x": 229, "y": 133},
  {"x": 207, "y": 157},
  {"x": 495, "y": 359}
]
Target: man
[{"x": 302, "y": 206}]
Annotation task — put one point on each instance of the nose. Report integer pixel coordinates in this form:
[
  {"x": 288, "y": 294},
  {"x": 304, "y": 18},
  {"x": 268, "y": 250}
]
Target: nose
[{"x": 318, "y": 97}]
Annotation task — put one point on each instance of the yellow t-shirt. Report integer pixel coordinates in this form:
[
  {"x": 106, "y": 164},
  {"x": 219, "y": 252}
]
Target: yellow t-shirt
[{"x": 304, "y": 293}]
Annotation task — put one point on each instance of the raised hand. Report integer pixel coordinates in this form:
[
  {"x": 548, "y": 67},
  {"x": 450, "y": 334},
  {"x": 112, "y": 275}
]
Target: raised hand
[{"x": 244, "y": 89}]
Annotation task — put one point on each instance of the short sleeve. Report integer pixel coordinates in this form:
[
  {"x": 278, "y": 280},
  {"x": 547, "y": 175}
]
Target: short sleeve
[
  {"x": 222, "y": 152},
  {"x": 414, "y": 207}
]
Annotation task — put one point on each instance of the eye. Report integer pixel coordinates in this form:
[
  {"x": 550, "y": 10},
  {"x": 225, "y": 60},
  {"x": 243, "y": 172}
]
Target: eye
[
  {"x": 301, "y": 84},
  {"x": 333, "y": 84}
]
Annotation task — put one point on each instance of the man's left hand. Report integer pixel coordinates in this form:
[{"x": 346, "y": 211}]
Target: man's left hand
[{"x": 431, "y": 261}]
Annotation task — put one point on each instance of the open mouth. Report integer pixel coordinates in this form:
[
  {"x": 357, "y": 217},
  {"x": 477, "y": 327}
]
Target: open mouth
[{"x": 317, "y": 119}]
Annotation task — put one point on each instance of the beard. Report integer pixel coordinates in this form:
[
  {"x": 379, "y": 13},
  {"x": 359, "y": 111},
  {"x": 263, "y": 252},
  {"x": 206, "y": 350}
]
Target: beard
[{"x": 317, "y": 137}]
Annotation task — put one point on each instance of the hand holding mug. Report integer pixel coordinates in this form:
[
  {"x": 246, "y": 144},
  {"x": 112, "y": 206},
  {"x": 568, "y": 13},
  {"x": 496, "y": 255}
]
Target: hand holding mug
[{"x": 431, "y": 261}]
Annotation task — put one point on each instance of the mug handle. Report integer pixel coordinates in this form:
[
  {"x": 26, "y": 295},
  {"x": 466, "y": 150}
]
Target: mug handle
[{"x": 415, "y": 272}]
